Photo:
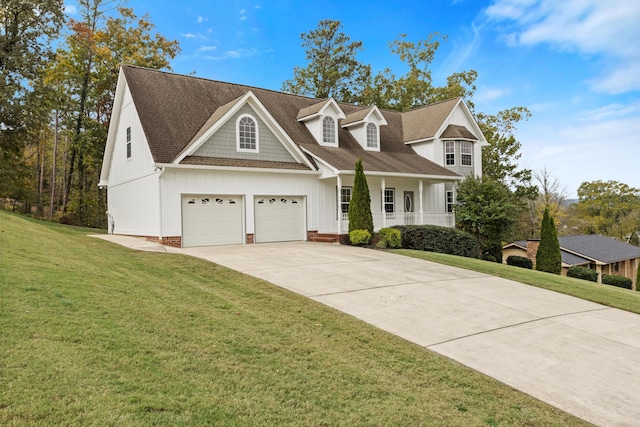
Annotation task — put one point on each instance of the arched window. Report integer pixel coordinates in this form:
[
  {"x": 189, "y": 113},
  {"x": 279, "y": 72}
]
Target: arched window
[
  {"x": 328, "y": 130},
  {"x": 372, "y": 136},
  {"x": 247, "y": 133}
]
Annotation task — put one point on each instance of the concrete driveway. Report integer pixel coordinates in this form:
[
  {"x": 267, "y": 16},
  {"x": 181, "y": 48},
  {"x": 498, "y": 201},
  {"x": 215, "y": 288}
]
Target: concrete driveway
[{"x": 579, "y": 356}]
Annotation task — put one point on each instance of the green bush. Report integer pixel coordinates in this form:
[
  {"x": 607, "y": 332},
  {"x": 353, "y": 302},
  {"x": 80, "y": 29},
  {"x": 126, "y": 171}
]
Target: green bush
[
  {"x": 433, "y": 238},
  {"x": 619, "y": 281},
  {"x": 583, "y": 273},
  {"x": 360, "y": 237},
  {"x": 389, "y": 238},
  {"x": 360, "y": 217},
  {"x": 549, "y": 257},
  {"x": 520, "y": 261}
]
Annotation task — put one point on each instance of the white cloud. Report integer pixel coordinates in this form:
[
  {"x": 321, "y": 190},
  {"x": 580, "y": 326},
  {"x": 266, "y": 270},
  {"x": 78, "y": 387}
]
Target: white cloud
[
  {"x": 188, "y": 35},
  {"x": 201, "y": 19},
  {"x": 70, "y": 9},
  {"x": 607, "y": 29},
  {"x": 489, "y": 94},
  {"x": 207, "y": 48},
  {"x": 233, "y": 54}
]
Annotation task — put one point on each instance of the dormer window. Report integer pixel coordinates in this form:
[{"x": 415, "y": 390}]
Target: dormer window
[
  {"x": 372, "y": 135},
  {"x": 247, "y": 133},
  {"x": 329, "y": 130}
]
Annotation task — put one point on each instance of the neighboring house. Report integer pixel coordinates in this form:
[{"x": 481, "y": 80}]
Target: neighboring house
[
  {"x": 603, "y": 254},
  {"x": 194, "y": 162}
]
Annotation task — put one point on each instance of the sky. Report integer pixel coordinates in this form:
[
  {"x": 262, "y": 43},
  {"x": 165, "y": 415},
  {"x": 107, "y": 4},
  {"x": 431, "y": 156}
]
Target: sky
[{"x": 575, "y": 64}]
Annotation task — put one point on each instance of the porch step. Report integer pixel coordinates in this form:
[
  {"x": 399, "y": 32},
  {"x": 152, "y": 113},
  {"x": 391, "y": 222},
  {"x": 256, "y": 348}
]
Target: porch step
[{"x": 325, "y": 238}]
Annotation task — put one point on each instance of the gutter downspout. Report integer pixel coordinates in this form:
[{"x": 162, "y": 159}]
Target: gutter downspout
[
  {"x": 339, "y": 204},
  {"x": 160, "y": 203}
]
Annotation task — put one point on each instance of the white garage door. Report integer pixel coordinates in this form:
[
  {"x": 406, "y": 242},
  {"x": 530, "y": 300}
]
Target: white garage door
[
  {"x": 279, "y": 218},
  {"x": 211, "y": 220}
]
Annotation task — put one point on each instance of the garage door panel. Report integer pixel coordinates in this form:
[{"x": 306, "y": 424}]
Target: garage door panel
[
  {"x": 279, "y": 218},
  {"x": 212, "y": 220}
]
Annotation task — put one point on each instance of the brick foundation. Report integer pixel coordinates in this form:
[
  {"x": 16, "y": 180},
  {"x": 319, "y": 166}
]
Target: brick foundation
[
  {"x": 174, "y": 241},
  {"x": 249, "y": 240}
]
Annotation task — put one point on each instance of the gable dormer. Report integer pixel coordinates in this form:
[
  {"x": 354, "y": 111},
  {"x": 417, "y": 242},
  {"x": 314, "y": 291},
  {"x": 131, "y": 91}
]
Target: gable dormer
[
  {"x": 364, "y": 125},
  {"x": 322, "y": 121}
]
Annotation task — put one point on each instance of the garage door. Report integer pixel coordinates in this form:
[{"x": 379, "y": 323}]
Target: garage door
[
  {"x": 211, "y": 220},
  {"x": 279, "y": 218}
]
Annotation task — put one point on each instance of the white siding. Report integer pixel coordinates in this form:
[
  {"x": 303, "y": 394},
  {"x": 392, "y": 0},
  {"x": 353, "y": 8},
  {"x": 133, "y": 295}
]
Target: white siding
[
  {"x": 133, "y": 207},
  {"x": 141, "y": 162},
  {"x": 132, "y": 196}
]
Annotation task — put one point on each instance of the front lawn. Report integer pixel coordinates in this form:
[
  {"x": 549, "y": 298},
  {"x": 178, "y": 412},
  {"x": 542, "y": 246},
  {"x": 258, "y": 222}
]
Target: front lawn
[{"x": 96, "y": 334}]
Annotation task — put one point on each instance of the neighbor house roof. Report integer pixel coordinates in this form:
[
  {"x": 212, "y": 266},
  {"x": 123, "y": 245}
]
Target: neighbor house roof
[
  {"x": 176, "y": 110},
  {"x": 567, "y": 258},
  {"x": 600, "y": 248},
  {"x": 584, "y": 248}
]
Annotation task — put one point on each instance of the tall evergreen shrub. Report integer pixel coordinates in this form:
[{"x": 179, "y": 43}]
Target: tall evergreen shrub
[
  {"x": 360, "y": 217},
  {"x": 548, "y": 257}
]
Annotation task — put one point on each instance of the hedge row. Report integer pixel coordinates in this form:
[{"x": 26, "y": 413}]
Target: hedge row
[
  {"x": 433, "y": 238},
  {"x": 619, "y": 281},
  {"x": 520, "y": 261},
  {"x": 583, "y": 273}
]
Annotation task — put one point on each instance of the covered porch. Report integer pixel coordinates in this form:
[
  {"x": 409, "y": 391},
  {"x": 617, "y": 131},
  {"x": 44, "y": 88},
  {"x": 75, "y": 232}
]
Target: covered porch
[{"x": 401, "y": 200}]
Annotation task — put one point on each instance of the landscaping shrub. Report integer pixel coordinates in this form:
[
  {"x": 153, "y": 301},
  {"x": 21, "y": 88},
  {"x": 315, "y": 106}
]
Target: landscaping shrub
[
  {"x": 583, "y": 273},
  {"x": 389, "y": 238},
  {"x": 520, "y": 261},
  {"x": 360, "y": 237},
  {"x": 548, "y": 258},
  {"x": 434, "y": 238},
  {"x": 619, "y": 281},
  {"x": 360, "y": 217}
]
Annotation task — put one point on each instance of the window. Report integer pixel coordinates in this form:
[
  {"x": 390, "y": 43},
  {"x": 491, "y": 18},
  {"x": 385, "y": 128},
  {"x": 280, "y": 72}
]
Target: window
[
  {"x": 128, "y": 142},
  {"x": 372, "y": 136},
  {"x": 247, "y": 134},
  {"x": 450, "y": 201},
  {"x": 328, "y": 130},
  {"x": 345, "y": 199},
  {"x": 450, "y": 153},
  {"x": 466, "y": 151},
  {"x": 389, "y": 200}
]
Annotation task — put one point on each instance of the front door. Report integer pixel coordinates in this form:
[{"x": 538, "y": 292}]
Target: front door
[{"x": 408, "y": 207}]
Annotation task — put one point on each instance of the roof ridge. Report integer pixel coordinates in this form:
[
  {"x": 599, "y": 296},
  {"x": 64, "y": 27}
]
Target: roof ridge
[{"x": 250, "y": 87}]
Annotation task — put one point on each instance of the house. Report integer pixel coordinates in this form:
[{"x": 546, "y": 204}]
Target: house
[
  {"x": 193, "y": 162},
  {"x": 603, "y": 254}
]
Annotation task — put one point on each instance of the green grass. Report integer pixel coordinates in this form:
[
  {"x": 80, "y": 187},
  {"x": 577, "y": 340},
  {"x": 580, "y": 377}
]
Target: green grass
[
  {"x": 92, "y": 333},
  {"x": 607, "y": 295}
]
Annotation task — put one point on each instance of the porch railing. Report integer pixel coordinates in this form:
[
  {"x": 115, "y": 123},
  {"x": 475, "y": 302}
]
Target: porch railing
[{"x": 406, "y": 218}]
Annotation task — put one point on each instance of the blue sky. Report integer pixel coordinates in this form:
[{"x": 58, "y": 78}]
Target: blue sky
[{"x": 574, "y": 63}]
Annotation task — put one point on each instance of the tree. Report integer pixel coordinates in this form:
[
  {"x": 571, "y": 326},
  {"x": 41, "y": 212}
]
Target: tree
[
  {"x": 26, "y": 32},
  {"x": 360, "y": 217},
  {"x": 499, "y": 159},
  {"x": 548, "y": 257},
  {"x": 611, "y": 208},
  {"x": 486, "y": 209},
  {"x": 333, "y": 70},
  {"x": 84, "y": 76}
]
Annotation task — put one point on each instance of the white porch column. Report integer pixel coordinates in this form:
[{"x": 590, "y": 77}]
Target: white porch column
[
  {"x": 339, "y": 204},
  {"x": 420, "y": 191},
  {"x": 383, "y": 185}
]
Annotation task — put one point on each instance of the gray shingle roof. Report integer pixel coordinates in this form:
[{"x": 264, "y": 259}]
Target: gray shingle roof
[
  {"x": 455, "y": 131},
  {"x": 424, "y": 122},
  {"x": 174, "y": 109},
  {"x": 600, "y": 248},
  {"x": 585, "y": 248}
]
